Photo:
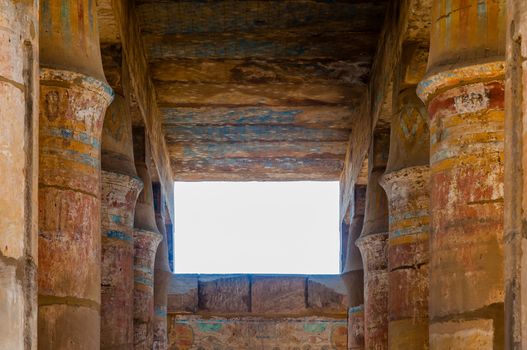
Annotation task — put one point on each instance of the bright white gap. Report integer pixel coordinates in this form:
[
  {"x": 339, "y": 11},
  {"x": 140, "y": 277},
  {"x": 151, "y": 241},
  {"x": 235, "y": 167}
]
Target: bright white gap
[{"x": 257, "y": 227}]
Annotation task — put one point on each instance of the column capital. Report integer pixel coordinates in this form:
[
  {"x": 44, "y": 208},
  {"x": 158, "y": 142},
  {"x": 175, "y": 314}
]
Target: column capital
[
  {"x": 71, "y": 79},
  {"x": 436, "y": 83}
]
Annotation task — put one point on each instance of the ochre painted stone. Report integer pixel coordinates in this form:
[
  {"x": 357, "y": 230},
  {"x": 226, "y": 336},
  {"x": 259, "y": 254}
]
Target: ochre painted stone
[
  {"x": 356, "y": 328},
  {"x": 256, "y": 333},
  {"x": 464, "y": 94},
  {"x": 373, "y": 249},
  {"x": 119, "y": 194},
  {"x": 408, "y": 193},
  {"x": 72, "y": 108},
  {"x": 162, "y": 276},
  {"x": 372, "y": 244},
  {"x": 146, "y": 242}
]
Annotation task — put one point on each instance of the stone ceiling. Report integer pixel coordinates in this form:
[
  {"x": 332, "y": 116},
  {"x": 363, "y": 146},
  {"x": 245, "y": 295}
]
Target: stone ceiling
[{"x": 259, "y": 90}]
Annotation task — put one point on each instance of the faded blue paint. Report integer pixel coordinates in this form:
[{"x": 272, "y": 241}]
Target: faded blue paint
[
  {"x": 410, "y": 231},
  {"x": 144, "y": 269},
  {"x": 116, "y": 219},
  {"x": 160, "y": 311},
  {"x": 45, "y": 16},
  {"x": 75, "y": 136},
  {"x": 244, "y": 133},
  {"x": 356, "y": 309},
  {"x": 119, "y": 235},
  {"x": 251, "y": 115},
  {"x": 144, "y": 281},
  {"x": 482, "y": 16},
  {"x": 65, "y": 16},
  {"x": 409, "y": 215},
  {"x": 74, "y": 156},
  {"x": 275, "y": 164},
  {"x": 315, "y": 327},
  {"x": 209, "y": 327}
]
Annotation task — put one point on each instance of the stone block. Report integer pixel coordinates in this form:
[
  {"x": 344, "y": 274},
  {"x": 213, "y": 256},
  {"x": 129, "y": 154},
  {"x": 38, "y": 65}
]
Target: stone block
[
  {"x": 182, "y": 294},
  {"x": 282, "y": 295},
  {"x": 327, "y": 294},
  {"x": 224, "y": 294},
  {"x": 464, "y": 335}
]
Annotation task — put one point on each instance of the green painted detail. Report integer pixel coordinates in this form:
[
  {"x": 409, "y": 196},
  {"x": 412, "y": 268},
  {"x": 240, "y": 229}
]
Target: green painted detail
[
  {"x": 209, "y": 327},
  {"x": 315, "y": 327}
]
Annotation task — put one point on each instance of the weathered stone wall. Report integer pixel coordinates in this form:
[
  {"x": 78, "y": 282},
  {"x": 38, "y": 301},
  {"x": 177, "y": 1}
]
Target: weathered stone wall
[
  {"x": 18, "y": 169},
  {"x": 257, "y": 312},
  {"x": 515, "y": 240},
  {"x": 464, "y": 93}
]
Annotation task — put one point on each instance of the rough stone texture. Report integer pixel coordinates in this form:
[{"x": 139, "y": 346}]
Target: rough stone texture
[
  {"x": 121, "y": 14},
  {"x": 353, "y": 271},
  {"x": 183, "y": 294},
  {"x": 120, "y": 188},
  {"x": 71, "y": 120},
  {"x": 237, "y": 295},
  {"x": 146, "y": 241},
  {"x": 224, "y": 294},
  {"x": 162, "y": 275},
  {"x": 406, "y": 20},
  {"x": 195, "y": 332},
  {"x": 373, "y": 249},
  {"x": 356, "y": 328},
  {"x": 408, "y": 193},
  {"x": 326, "y": 293},
  {"x": 320, "y": 325},
  {"x": 119, "y": 193},
  {"x": 275, "y": 295},
  {"x": 373, "y": 245},
  {"x": 279, "y": 73},
  {"x": 406, "y": 183},
  {"x": 18, "y": 166},
  {"x": 466, "y": 108},
  {"x": 73, "y": 100},
  {"x": 514, "y": 196}
]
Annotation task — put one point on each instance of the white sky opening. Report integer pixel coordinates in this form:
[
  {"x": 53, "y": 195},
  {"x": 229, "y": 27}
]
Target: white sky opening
[{"x": 257, "y": 227}]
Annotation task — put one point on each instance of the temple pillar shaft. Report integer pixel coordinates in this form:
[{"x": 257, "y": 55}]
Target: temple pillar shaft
[
  {"x": 406, "y": 183},
  {"x": 19, "y": 169},
  {"x": 120, "y": 188},
  {"x": 353, "y": 272},
  {"x": 372, "y": 245},
  {"x": 464, "y": 94},
  {"x": 161, "y": 279},
  {"x": 162, "y": 273},
  {"x": 73, "y": 100},
  {"x": 146, "y": 242},
  {"x": 515, "y": 177}
]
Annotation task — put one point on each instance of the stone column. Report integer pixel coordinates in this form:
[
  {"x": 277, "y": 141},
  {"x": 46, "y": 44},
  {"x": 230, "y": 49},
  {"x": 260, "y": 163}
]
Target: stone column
[
  {"x": 406, "y": 183},
  {"x": 515, "y": 178},
  {"x": 73, "y": 100},
  {"x": 353, "y": 274},
  {"x": 19, "y": 169},
  {"x": 120, "y": 188},
  {"x": 161, "y": 278},
  {"x": 146, "y": 241},
  {"x": 464, "y": 94},
  {"x": 372, "y": 245}
]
